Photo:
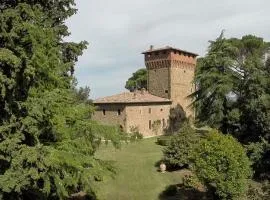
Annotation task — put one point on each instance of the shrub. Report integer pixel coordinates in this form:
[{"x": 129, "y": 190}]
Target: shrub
[
  {"x": 259, "y": 153},
  {"x": 163, "y": 140},
  {"x": 135, "y": 135},
  {"x": 221, "y": 162},
  {"x": 178, "y": 152},
  {"x": 258, "y": 191}
]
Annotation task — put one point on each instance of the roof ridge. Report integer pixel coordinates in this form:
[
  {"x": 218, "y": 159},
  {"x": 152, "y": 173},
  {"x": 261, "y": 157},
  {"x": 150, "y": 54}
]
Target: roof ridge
[{"x": 131, "y": 97}]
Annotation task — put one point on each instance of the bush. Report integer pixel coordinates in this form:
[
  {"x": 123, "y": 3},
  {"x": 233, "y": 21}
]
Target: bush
[
  {"x": 178, "y": 153},
  {"x": 135, "y": 135},
  {"x": 163, "y": 140},
  {"x": 258, "y": 191},
  {"x": 221, "y": 162},
  {"x": 259, "y": 154}
]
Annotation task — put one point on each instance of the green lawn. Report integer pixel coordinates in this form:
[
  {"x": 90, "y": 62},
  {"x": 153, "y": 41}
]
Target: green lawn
[{"x": 138, "y": 177}]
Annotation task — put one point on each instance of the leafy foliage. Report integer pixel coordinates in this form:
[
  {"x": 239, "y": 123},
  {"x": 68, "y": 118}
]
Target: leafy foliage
[
  {"x": 138, "y": 80},
  {"x": 234, "y": 79},
  {"x": 180, "y": 148},
  {"x": 215, "y": 81},
  {"x": 259, "y": 154},
  {"x": 47, "y": 140},
  {"x": 221, "y": 162},
  {"x": 177, "y": 118},
  {"x": 164, "y": 140}
]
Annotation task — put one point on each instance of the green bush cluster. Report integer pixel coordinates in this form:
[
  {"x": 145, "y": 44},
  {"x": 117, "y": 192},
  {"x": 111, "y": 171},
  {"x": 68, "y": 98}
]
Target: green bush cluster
[
  {"x": 221, "y": 162},
  {"x": 179, "y": 150},
  {"x": 163, "y": 140},
  {"x": 218, "y": 160}
]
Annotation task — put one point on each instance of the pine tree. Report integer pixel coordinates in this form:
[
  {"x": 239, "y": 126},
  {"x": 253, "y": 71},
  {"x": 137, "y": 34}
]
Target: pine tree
[
  {"x": 215, "y": 83},
  {"x": 253, "y": 97},
  {"x": 233, "y": 88},
  {"x": 47, "y": 139}
]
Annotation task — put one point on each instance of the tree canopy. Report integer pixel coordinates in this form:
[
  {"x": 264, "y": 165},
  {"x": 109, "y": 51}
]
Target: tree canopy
[
  {"x": 233, "y": 78},
  {"x": 138, "y": 80},
  {"x": 221, "y": 162},
  {"x": 47, "y": 140}
]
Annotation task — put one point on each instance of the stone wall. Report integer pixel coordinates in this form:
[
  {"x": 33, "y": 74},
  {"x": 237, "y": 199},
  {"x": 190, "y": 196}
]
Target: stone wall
[
  {"x": 149, "y": 118},
  {"x": 170, "y": 75},
  {"x": 158, "y": 82},
  {"x": 111, "y": 115},
  {"x": 182, "y": 86}
]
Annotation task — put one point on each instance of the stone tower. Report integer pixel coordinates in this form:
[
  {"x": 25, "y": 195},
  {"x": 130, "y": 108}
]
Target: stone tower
[{"x": 170, "y": 75}]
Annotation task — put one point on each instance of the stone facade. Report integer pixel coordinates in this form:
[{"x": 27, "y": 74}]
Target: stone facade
[
  {"x": 137, "y": 110},
  {"x": 170, "y": 75},
  {"x": 150, "y": 119}
]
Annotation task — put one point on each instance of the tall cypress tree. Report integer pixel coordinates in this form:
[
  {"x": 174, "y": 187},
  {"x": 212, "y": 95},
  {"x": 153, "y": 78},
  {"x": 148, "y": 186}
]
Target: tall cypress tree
[{"x": 47, "y": 140}]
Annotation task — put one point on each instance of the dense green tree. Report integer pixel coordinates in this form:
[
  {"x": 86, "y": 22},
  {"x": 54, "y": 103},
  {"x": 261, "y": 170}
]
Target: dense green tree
[
  {"x": 178, "y": 153},
  {"x": 138, "y": 80},
  {"x": 233, "y": 78},
  {"x": 83, "y": 94},
  {"x": 215, "y": 83},
  {"x": 47, "y": 140},
  {"x": 220, "y": 162},
  {"x": 253, "y": 96}
]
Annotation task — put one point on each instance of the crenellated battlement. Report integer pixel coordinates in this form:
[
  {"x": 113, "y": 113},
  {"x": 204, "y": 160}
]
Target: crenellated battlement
[{"x": 170, "y": 74}]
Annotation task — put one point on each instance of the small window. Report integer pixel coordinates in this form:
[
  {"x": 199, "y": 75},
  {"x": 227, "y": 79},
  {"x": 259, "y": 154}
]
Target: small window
[
  {"x": 184, "y": 71},
  {"x": 149, "y": 110},
  {"x": 104, "y": 112},
  {"x": 163, "y": 123},
  {"x": 118, "y": 112},
  {"x": 121, "y": 128},
  {"x": 166, "y": 91},
  {"x": 161, "y": 109},
  {"x": 156, "y": 53},
  {"x": 150, "y": 124}
]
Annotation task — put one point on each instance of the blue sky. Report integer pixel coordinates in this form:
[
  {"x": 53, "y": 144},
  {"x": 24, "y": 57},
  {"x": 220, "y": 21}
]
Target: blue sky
[{"x": 118, "y": 31}]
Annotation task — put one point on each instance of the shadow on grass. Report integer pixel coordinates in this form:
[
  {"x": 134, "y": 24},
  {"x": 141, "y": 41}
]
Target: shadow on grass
[
  {"x": 179, "y": 191},
  {"x": 170, "y": 168}
]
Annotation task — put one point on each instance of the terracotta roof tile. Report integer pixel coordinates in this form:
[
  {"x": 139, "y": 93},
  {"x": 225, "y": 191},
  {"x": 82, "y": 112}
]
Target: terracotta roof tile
[
  {"x": 132, "y": 97},
  {"x": 169, "y": 48}
]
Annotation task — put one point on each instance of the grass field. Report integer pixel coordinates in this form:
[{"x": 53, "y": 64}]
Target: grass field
[{"x": 138, "y": 178}]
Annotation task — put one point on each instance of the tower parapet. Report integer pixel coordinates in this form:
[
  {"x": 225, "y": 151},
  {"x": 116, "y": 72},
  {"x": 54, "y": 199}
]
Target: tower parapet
[{"x": 170, "y": 75}]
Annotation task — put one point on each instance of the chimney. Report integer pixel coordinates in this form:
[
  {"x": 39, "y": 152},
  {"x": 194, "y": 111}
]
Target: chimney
[{"x": 151, "y": 47}]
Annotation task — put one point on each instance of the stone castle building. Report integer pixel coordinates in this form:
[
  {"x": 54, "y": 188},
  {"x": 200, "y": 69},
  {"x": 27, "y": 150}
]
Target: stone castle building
[{"x": 170, "y": 72}]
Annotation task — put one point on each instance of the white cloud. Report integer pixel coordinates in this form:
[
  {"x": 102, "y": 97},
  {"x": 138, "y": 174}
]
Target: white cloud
[{"x": 118, "y": 31}]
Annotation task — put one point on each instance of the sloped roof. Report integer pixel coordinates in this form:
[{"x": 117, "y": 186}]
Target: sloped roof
[
  {"x": 132, "y": 97},
  {"x": 169, "y": 48}
]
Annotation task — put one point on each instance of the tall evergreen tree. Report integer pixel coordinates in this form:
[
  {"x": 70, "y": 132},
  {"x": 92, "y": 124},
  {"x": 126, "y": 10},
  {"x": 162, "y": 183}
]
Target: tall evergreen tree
[
  {"x": 47, "y": 140},
  {"x": 215, "y": 84},
  {"x": 233, "y": 87},
  {"x": 253, "y": 96}
]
